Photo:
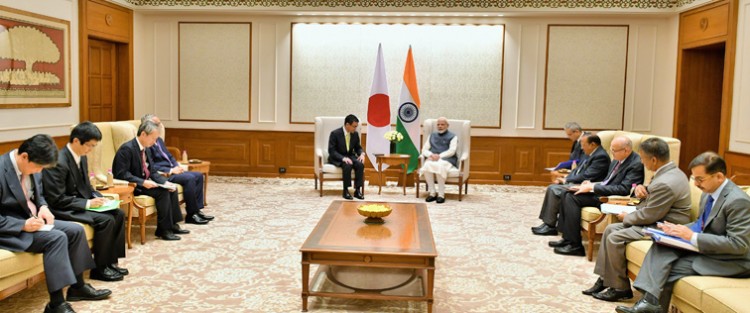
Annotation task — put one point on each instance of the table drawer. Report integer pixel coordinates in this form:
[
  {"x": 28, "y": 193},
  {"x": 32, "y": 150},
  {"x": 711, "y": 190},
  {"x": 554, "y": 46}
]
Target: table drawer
[
  {"x": 368, "y": 259},
  {"x": 704, "y": 24}
]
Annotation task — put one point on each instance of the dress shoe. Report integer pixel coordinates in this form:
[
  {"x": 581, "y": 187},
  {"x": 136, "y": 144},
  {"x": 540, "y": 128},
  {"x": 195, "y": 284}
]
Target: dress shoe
[
  {"x": 597, "y": 287},
  {"x": 204, "y": 216},
  {"x": 614, "y": 295},
  {"x": 61, "y": 308},
  {"x": 558, "y": 243},
  {"x": 430, "y": 198},
  {"x": 346, "y": 195},
  {"x": 106, "y": 274},
  {"x": 440, "y": 200},
  {"x": 178, "y": 230},
  {"x": 196, "y": 219},
  {"x": 538, "y": 228},
  {"x": 121, "y": 270},
  {"x": 167, "y": 235},
  {"x": 359, "y": 195},
  {"x": 571, "y": 250},
  {"x": 642, "y": 306},
  {"x": 87, "y": 292},
  {"x": 546, "y": 230}
]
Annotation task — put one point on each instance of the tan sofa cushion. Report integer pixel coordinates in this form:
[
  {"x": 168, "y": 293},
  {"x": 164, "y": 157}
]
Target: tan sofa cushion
[
  {"x": 16, "y": 262},
  {"x": 720, "y": 300},
  {"x": 690, "y": 290}
]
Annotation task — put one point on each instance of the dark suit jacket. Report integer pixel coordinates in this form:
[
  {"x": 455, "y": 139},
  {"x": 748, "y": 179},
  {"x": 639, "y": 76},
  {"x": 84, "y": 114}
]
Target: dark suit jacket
[
  {"x": 14, "y": 211},
  {"x": 127, "y": 165},
  {"x": 629, "y": 173},
  {"x": 67, "y": 188},
  {"x": 337, "y": 146},
  {"x": 594, "y": 168},
  {"x": 160, "y": 163}
]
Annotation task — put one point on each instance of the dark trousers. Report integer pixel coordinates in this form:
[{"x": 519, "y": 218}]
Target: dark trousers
[
  {"x": 551, "y": 205},
  {"x": 192, "y": 190},
  {"x": 570, "y": 215},
  {"x": 359, "y": 174},
  {"x": 109, "y": 237},
  {"x": 65, "y": 253},
  {"x": 167, "y": 206}
]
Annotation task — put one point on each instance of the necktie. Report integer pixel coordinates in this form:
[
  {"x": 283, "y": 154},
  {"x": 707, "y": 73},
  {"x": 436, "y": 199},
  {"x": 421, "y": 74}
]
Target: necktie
[
  {"x": 146, "y": 172},
  {"x": 158, "y": 147},
  {"x": 614, "y": 171},
  {"x": 32, "y": 206},
  {"x": 706, "y": 211},
  {"x": 347, "y": 142}
]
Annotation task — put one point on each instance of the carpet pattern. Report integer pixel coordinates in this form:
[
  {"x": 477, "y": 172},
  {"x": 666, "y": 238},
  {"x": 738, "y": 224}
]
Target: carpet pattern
[{"x": 248, "y": 259}]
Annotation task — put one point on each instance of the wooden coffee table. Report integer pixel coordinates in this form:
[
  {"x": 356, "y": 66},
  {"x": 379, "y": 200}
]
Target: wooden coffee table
[{"x": 342, "y": 239}]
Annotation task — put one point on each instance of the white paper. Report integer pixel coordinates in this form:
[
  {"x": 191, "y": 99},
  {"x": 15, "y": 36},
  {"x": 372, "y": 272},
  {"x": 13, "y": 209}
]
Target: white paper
[
  {"x": 617, "y": 209},
  {"x": 46, "y": 227}
]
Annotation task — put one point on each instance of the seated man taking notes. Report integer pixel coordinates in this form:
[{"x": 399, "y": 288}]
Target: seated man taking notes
[
  {"x": 68, "y": 191},
  {"x": 23, "y": 213},
  {"x": 721, "y": 234}
]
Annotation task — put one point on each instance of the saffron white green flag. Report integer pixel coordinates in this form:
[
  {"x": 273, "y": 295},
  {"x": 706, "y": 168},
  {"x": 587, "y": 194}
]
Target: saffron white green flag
[
  {"x": 378, "y": 113},
  {"x": 408, "y": 114}
]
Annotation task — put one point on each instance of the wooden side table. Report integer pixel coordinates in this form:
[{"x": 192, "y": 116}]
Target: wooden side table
[
  {"x": 202, "y": 168},
  {"x": 125, "y": 192},
  {"x": 392, "y": 159}
]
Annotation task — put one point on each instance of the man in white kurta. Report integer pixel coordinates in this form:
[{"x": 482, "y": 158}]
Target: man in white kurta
[{"x": 439, "y": 152}]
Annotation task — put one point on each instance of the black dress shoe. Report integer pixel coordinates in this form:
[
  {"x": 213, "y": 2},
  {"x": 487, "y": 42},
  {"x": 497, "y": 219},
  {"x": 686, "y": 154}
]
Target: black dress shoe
[
  {"x": 87, "y": 292},
  {"x": 196, "y": 219},
  {"x": 597, "y": 287},
  {"x": 546, "y": 230},
  {"x": 178, "y": 230},
  {"x": 346, "y": 195},
  {"x": 204, "y": 216},
  {"x": 121, "y": 270},
  {"x": 614, "y": 295},
  {"x": 440, "y": 200},
  {"x": 571, "y": 250},
  {"x": 558, "y": 243},
  {"x": 538, "y": 228},
  {"x": 61, "y": 308},
  {"x": 106, "y": 274},
  {"x": 430, "y": 198},
  {"x": 642, "y": 306},
  {"x": 167, "y": 235},
  {"x": 359, "y": 195}
]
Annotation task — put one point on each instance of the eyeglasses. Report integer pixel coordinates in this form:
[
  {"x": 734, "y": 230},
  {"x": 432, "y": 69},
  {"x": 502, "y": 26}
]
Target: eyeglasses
[
  {"x": 615, "y": 151},
  {"x": 701, "y": 179}
]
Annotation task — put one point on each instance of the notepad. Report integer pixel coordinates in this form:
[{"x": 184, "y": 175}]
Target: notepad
[
  {"x": 168, "y": 187},
  {"x": 109, "y": 205},
  {"x": 46, "y": 227},
  {"x": 617, "y": 209},
  {"x": 661, "y": 237}
]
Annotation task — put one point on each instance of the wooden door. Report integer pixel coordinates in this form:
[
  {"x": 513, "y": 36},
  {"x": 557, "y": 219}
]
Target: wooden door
[{"x": 102, "y": 80}]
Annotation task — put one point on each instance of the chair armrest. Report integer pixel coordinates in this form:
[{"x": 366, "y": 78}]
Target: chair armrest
[
  {"x": 318, "y": 160},
  {"x": 175, "y": 152},
  {"x": 111, "y": 196}
]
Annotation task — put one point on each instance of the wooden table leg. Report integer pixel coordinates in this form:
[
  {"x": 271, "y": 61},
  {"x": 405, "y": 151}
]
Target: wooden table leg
[
  {"x": 305, "y": 282},
  {"x": 403, "y": 176},
  {"x": 142, "y": 221},
  {"x": 430, "y": 285},
  {"x": 130, "y": 224},
  {"x": 380, "y": 175}
]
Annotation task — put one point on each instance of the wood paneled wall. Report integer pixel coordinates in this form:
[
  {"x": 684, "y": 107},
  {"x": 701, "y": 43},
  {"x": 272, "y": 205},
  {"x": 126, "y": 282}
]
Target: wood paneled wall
[
  {"x": 10, "y": 145},
  {"x": 738, "y": 165},
  {"x": 262, "y": 153}
]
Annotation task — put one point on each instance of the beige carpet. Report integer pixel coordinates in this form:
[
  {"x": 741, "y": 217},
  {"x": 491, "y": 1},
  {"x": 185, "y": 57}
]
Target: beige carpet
[{"x": 248, "y": 259}]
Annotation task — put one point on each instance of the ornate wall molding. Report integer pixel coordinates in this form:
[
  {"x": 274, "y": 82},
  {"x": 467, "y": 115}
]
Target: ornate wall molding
[{"x": 461, "y": 4}]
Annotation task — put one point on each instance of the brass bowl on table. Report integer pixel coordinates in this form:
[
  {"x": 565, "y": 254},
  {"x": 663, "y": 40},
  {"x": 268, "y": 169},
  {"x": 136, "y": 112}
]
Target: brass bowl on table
[{"x": 374, "y": 212}]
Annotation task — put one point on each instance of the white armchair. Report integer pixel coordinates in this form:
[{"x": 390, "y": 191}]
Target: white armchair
[
  {"x": 460, "y": 175},
  {"x": 325, "y": 171}
]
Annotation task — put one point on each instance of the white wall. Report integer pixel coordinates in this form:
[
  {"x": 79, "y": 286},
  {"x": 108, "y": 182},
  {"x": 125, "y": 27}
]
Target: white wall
[
  {"x": 649, "y": 95},
  {"x": 739, "y": 136},
  {"x": 18, "y": 124}
]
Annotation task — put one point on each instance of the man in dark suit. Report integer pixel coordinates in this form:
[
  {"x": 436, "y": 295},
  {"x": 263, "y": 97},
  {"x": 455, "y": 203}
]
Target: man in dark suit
[
  {"x": 666, "y": 199},
  {"x": 345, "y": 151},
  {"x": 133, "y": 162},
  {"x": 24, "y": 213},
  {"x": 69, "y": 193},
  {"x": 593, "y": 168},
  {"x": 191, "y": 182},
  {"x": 625, "y": 171},
  {"x": 721, "y": 234}
]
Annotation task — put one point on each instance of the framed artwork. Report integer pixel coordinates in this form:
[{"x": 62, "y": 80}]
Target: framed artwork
[{"x": 34, "y": 60}]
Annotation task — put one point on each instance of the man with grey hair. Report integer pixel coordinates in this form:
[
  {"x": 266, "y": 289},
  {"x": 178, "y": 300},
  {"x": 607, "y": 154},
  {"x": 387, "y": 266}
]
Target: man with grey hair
[
  {"x": 134, "y": 163},
  {"x": 666, "y": 199},
  {"x": 439, "y": 154},
  {"x": 191, "y": 182}
]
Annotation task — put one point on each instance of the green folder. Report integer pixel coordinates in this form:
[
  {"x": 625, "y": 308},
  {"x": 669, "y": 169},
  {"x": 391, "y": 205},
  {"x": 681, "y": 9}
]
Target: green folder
[{"x": 111, "y": 205}]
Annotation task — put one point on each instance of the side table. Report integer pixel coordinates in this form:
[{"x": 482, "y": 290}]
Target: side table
[
  {"x": 392, "y": 159},
  {"x": 202, "y": 168},
  {"x": 125, "y": 192}
]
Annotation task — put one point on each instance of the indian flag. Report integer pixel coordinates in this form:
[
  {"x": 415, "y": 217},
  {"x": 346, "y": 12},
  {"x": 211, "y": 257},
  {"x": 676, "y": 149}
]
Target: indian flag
[
  {"x": 408, "y": 114},
  {"x": 378, "y": 113}
]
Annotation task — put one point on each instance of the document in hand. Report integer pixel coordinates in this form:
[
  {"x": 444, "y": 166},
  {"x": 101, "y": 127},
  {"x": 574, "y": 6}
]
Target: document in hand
[
  {"x": 46, "y": 227},
  {"x": 617, "y": 209},
  {"x": 110, "y": 205},
  {"x": 168, "y": 187},
  {"x": 662, "y": 238}
]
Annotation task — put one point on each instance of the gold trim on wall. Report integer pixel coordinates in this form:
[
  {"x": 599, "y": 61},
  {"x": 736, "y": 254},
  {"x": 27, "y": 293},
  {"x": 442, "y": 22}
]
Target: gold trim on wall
[{"x": 463, "y": 4}]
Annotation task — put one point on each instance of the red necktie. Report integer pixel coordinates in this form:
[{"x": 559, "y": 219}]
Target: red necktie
[
  {"x": 146, "y": 172},
  {"x": 32, "y": 206}
]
